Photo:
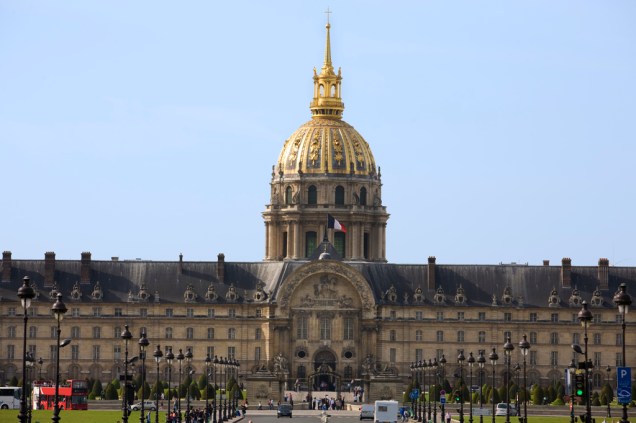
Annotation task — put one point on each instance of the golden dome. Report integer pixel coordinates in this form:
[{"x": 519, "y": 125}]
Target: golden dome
[{"x": 326, "y": 144}]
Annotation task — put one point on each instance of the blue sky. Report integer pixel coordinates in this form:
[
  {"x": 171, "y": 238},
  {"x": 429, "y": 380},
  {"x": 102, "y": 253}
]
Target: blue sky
[{"x": 505, "y": 131}]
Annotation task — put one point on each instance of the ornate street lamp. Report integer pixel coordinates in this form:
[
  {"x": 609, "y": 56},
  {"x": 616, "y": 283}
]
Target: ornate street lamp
[
  {"x": 58, "y": 309},
  {"x": 143, "y": 344},
  {"x": 585, "y": 317},
  {"x": 423, "y": 372},
  {"x": 169, "y": 358},
  {"x": 623, "y": 300},
  {"x": 157, "y": 355},
  {"x": 30, "y": 362},
  {"x": 418, "y": 376},
  {"x": 517, "y": 370},
  {"x": 481, "y": 362},
  {"x": 188, "y": 359},
  {"x": 436, "y": 379},
  {"x": 572, "y": 370},
  {"x": 413, "y": 369},
  {"x": 493, "y": 357},
  {"x": 208, "y": 362},
  {"x": 430, "y": 371},
  {"x": 25, "y": 294},
  {"x": 225, "y": 369},
  {"x": 180, "y": 358},
  {"x": 608, "y": 370},
  {"x": 524, "y": 346},
  {"x": 126, "y": 336},
  {"x": 460, "y": 360},
  {"x": 471, "y": 362},
  {"x": 215, "y": 365},
  {"x": 508, "y": 347},
  {"x": 442, "y": 363}
]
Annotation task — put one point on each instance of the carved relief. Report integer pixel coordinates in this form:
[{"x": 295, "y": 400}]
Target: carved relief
[
  {"x": 554, "y": 300},
  {"x": 211, "y": 294},
  {"x": 418, "y": 297},
  {"x": 575, "y": 298},
  {"x": 76, "y": 293},
  {"x": 460, "y": 296},
  {"x": 54, "y": 291},
  {"x": 439, "y": 297},
  {"x": 506, "y": 298},
  {"x": 189, "y": 296},
  {"x": 231, "y": 295},
  {"x": 391, "y": 294},
  {"x": 97, "y": 293},
  {"x": 597, "y": 298}
]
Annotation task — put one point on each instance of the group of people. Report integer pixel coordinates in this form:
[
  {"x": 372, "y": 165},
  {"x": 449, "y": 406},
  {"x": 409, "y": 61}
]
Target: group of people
[{"x": 327, "y": 403}]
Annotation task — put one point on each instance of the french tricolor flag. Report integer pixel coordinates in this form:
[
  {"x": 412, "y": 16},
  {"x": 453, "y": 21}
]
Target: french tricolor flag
[{"x": 332, "y": 223}]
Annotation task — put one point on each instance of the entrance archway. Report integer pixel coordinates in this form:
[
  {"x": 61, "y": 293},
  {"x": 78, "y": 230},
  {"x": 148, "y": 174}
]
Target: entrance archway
[{"x": 324, "y": 377}]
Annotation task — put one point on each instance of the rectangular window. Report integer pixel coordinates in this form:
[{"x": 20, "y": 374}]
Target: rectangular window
[
  {"x": 259, "y": 312},
  {"x": 597, "y": 339},
  {"x": 11, "y": 331},
  {"x": 189, "y": 333},
  {"x": 210, "y": 333},
  {"x": 11, "y": 311},
  {"x": 302, "y": 328},
  {"x": 258, "y": 333},
  {"x": 143, "y": 312},
  {"x": 418, "y": 335},
  {"x": 533, "y": 338},
  {"x": 118, "y": 312},
  {"x": 481, "y": 315},
  {"x": 95, "y": 352},
  {"x": 117, "y": 332},
  {"x": 75, "y": 312},
  {"x": 97, "y": 332},
  {"x": 392, "y": 355},
  {"x": 116, "y": 352},
  {"x": 554, "y": 358},
  {"x": 418, "y": 354},
  {"x": 53, "y": 332},
  {"x": 310, "y": 243},
  {"x": 533, "y": 358},
  {"x": 231, "y": 313},
  {"x": 339, "y": 243},
  {"x": 33, "y": 332},
  {"x": 33, "y": 311},
  {"x": 533, "y": 317},
  {"x": 52, "y": 353},
  {"x": 619, "y": 339},
  {"x": 392, "y": 315},
  {"x": 11, "y": 352},
  {"x": 231, "y": 333},
  {"x": 619, "y": 359},
  {"x": 440, "y": 336},
  {"x": 507, "y": 317},
  {"x": 33, "y": 350},
  {"x": 597, "y": 318},
  {"x": 348, "y": 328},
  {"x": 168, "y": 333},
  {"x": 190, "y": 312},
  {"x": 418, "y": 315},
  {"x": 210, "y": 352},
  {"x": 75, "y": 332},
  {"x": 74, "y": 352},
  {"x": 507, "y": 334},
  {"x": 392, "y": 336},
  {"x": 97, "y": 311},
  {"x": 482, "y": 337},
  {"x": 325, "y": 328},
  {"x": 210, "y": 312},
  {"x": 460, "y": 315},
  {"x": 231, "y": 352},
  {"x": 169, "y": 312},
  {"x": 257, "y": 354},
  {"x": 597, "y": 360},
  {"x": 460, "y": 336},
  {"x": 554, "y": 317},
  {"x": 554, "y": 338},
  {"x": 576, "y": 338},
  {"x": 440, "y": 316}
]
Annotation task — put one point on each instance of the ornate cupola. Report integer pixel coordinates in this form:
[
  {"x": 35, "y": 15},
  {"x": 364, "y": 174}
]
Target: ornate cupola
[{"x": 326, "y": 167}]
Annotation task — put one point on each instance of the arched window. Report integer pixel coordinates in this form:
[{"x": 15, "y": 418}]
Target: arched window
[
  {"x": 302, "y": 327},
  {"x": 340, "y": 195},
  {"x": 325, "y": 328},
  {"x": 348, "y": 373},
  {"x": 288, "y": 195},
  {"x": 301, "y": 371},
  {"x": 311, "y": 239},
  {"x": 322, "y": 90},
  {"x": 312, "y": 195},
  {"x": 333, "y": 90},
  {"x": 363, "y": 196}
]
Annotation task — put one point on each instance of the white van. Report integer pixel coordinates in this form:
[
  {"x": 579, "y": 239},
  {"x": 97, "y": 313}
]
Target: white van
[
  {"x": 386, "y": 412},
  {"x": 367, "y": 411}
]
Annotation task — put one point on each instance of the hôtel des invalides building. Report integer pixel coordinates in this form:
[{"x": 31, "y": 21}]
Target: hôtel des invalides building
[{"x": 324, "y": 307}]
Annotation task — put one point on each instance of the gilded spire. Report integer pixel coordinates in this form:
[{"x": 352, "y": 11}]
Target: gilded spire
[{"x": 327, "y": 102}]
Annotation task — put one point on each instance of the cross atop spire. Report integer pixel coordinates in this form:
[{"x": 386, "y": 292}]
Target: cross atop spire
[{"x": 328, "y": 12}]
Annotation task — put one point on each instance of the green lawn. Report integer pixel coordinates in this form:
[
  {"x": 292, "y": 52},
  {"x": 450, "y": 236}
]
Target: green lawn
[{"x": 77, "y": 416}]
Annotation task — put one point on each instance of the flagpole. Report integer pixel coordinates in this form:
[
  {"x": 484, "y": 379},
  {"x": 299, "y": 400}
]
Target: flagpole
[{"x": 326, "y": 238}]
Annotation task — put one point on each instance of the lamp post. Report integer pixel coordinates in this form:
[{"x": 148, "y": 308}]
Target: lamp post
[
  {"x": 424, "y": 371},
  {"x": 180, "y": 358},
  {"x": 471, "y": 362},
  {"x": 493, "y": 357},
  {"x": 188, "y": 359},
  {"x": 215, "y": 364},
  {"x": 609, "y": 411},
  {"x": 508, "y": 347},
  {"x": 481, "y": 362},
  {"x": 431, "y": 372},
  {"x": 157, "y": 355},
  {"x": 572, "y": 369},
  {"x": 442, "y": 363},
  {"x": 25, "y": 294},
  {"x": 414, "y": 371},
  {"x": 208, "y": 361},
  {"x": 58, "y": 309},
  {"x": 517, "y": 370},
  {"x": 623, "y": 300},
  {"x": 524, "y": 346},
  {"x": 143, "y": 344},
  {"x": 225, "y": 369},
  {"x": 169, "y": 358},
  {"x": 460, "y": 360},
  {"x": 585, "y": 317},
  {"x": 40, "y": 363},
  {"x": 126, "y": 336},
  {"x": 30, "y": 362},
  {"x": 435, "y": 380}
]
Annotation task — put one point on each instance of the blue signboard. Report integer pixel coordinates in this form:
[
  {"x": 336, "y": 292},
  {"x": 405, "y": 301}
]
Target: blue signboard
[{"x": 624, "y": 388}]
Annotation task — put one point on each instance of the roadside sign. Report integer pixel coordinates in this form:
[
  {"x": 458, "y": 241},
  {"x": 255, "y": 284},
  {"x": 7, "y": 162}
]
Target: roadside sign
[
  {"x": 624, "y": 385},
  {"x": 442, "y": 399}
]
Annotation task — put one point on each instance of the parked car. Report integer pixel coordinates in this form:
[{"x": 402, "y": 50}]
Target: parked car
[
  {"x": 148, "y": 405},
  {"x": 501, "y": 409},
  {"x": 366, "y": 411},
  {"x": 284, "y": 410}
]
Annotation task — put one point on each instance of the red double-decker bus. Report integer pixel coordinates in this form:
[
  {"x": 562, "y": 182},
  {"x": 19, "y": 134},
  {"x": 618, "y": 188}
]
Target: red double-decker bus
[{"x": 71, "y": 396}]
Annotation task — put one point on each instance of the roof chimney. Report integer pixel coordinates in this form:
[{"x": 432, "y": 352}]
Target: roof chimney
[
  {"x": 6, "y": 266},
  {"x": 49, "y": 268},
  {"x": 546, "y": 262},
  {"x": 220, "y": 268},
  {"x": 603, "y": 273},
  {"x": 566, "y": 272},
  {"x": 431, "y": 272},
  {"x": 85, "y": 269},
  {"x": 180, "y": 268}
]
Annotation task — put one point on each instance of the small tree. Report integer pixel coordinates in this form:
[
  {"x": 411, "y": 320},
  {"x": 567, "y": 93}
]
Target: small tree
[
  {"x": 110, "y": 393},
  {"x": 96, "y": 391},
  {"x": 14, "y": 381},
  {"x": 194, "y": 391},
  {"x": 203, "y": 382}
]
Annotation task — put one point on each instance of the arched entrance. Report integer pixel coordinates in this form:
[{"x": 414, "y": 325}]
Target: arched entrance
[{"x": 324, "y": 378}]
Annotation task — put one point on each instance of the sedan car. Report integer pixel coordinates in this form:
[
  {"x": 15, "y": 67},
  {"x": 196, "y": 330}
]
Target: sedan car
[
  {"x": 501, "y": 409},
  {"x": 284, "y": 410},
  {"x": 148, "y": 405}
]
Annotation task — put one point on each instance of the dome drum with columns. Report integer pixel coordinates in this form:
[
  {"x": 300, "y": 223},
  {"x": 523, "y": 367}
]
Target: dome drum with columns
[{"x": 326, "y": 167}]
